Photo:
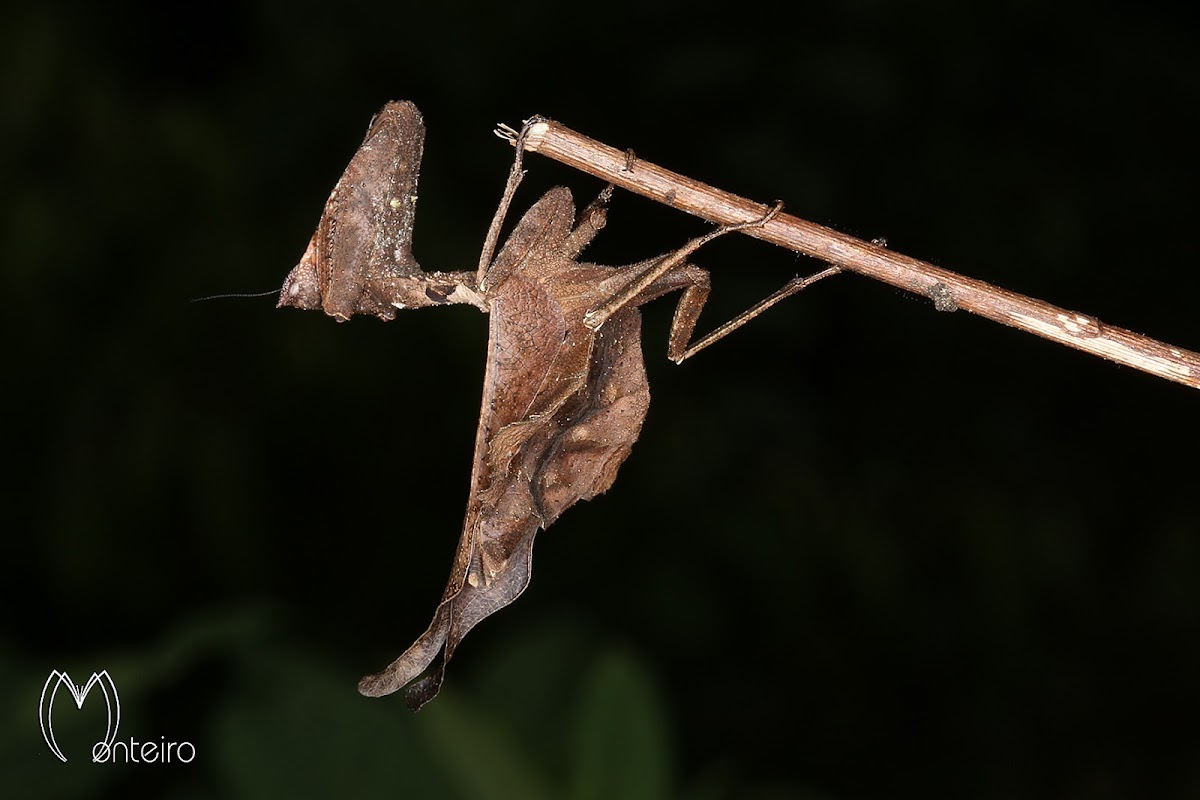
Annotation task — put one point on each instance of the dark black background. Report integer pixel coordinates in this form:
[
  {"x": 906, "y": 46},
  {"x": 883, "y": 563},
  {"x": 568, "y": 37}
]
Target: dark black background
[{"x": 863, "y": 549}]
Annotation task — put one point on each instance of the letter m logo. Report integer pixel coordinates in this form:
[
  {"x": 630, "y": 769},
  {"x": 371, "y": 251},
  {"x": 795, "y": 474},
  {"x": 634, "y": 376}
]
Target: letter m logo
[{"x": 79, "y": 693}]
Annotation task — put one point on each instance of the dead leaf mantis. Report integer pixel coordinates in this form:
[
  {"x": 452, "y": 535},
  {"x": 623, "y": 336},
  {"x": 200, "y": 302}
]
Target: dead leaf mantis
[{"x": 565, "y": 390}]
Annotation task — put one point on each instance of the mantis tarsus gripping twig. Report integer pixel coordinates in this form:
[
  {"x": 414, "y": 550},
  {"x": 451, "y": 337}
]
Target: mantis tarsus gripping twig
[{"x": 656, "y": 276}]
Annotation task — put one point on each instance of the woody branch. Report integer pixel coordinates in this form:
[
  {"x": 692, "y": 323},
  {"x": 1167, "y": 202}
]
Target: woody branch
[{"x": 948, "y": 290}]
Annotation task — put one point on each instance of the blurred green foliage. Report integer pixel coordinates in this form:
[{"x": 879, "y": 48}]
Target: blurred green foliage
[{"x": 264, "y": 718}]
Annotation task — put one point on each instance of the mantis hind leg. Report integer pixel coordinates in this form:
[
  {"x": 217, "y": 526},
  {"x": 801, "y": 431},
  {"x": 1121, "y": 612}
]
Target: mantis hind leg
[{"x": 670, "y": 272}]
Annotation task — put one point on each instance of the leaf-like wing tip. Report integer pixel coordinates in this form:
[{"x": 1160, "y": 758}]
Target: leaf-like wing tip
[
  {"x": 416, "y": 695},
  {"x": 412, "y": 662},
  {"x": 380, "y": 684},
  {"x": 423, "y": 691}
]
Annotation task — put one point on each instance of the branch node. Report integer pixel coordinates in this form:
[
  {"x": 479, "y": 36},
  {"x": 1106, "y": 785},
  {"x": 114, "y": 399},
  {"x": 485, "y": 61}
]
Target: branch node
[{"x": 943, "y": 298}]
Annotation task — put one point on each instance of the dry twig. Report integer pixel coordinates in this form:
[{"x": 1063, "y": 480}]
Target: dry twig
[{"x": 948, "y": 290}]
